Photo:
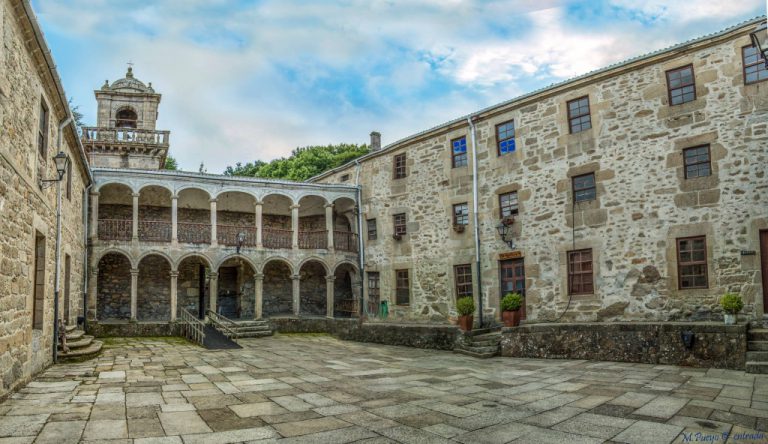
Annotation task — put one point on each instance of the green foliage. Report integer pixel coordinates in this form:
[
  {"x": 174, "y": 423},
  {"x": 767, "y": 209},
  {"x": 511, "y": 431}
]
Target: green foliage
[
  {"x": 465, "y": 306},
  {"x": 302, "y": 164},
  {"x": 731, "y": 303},
  {"x": 171, "y": 164},
  {"x": 511, "y": 302},
  {"x": 77, "y": 116}
]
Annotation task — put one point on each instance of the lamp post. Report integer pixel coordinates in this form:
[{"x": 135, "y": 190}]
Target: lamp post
[
  {"x": 759, "y": 38},
  {"x": 240, "y": 241},
  {"x": 62, "y": 163},
  {"x": 504, "y": 229}
]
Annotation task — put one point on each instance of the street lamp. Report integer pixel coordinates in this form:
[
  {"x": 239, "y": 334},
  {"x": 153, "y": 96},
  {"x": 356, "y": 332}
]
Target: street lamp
[
  {"x": 240, "y": 241},
  {"x": 759, "y": 38},
  {"x": 505, "y": 231},
  {"x": 62, "y": 163}
]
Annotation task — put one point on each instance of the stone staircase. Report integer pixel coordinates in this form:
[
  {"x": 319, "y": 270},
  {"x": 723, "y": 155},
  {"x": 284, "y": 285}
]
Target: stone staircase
[
  {"x": 81, "y": 346},
  {"x": 252, "y": 329},
  {"x": 757, "y": 350},
  {"x": 483, "y": 343}
]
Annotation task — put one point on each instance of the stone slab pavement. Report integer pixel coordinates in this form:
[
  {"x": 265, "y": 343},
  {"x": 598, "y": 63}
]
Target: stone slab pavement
[{"x": 317, "y": 389}]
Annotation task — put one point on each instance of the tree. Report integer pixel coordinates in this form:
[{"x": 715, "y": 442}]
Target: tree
[
  {"x": 77, "y": 116},
  {"x": 303, "y": 163},
  {"x": 171, "y": 164}
]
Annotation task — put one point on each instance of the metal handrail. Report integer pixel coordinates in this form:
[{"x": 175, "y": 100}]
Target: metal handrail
[
  {"x": 191, "y": 327},
  {"x": 221, "y": 322},
  {"x": 277, "y": 238}
]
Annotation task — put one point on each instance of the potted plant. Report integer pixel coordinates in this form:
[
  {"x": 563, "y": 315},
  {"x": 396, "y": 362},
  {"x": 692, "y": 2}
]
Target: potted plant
[
  {"x": 732, "y": 304},
  {"x": 465, "y": 308},
  {"x": 510, "y": 309}
]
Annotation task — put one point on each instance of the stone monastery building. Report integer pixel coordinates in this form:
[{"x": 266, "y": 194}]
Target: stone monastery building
[{"x": 637, "y": 192}]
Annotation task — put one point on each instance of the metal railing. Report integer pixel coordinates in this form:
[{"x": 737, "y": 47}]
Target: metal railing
[
  {"x": 313, "y": 239},
  {"x": 115, "y": 229},
  {"x": 125, "y": 135},
  {"x": 345, "y": 241},
  {"x": 277, "y": 238},
  {"x": 155, "y": 230},
  {"x": 227, "y": 234},
  {"x": 226, "y": 326},
  {"x": 191, "y": 327},
  {"x": 194, "y": 233}
]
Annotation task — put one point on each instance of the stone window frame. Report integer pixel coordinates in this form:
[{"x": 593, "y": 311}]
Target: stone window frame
[
  {"x": 514, "y": 210},
  {"x": 708, "y": 161},
  {"x": 42, "y": 129},
  {"x": 402, "y": 287},
  {"x": 760, "y": 63},
  {"x": 459, "y": 159},
  {"x": 571, "y": 273},
  {"x": 505, "y": 140},
  {"x": 682, "y": 86},
  {"x": 572, "y": 118},
  {"x": 373, "y": 279},
  {"x": 399, "y": 224},
  {"x": 39, "y": 255},
  {"x": 575, "y": 191},
  {"x": 461, "y": 214},
  {"x": 118, "y": 119},
  {"x": 399, "y": 168},
  {"x": 344, "y": 177},
  {"x": 462, "y": 281},
  {"x": 372, "y": 229},
  {"x": 692, "y": 262}
]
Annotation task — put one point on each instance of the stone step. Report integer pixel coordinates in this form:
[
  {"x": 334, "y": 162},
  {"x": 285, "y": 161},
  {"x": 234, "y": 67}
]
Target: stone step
[
  {"x": 253, "y": 328},
  {"x": 757, "y": 367},
  {"x": 757, "y": 334},
  {"x": 486, "y": 343},
  {"x": 70, "y": 328},
  {"x": 250, "y": 323},
  {"x": 487, "y": 337},
  {"x": 757, "y": 345},
  {"x": 478, "y": 349},
  {"x": 475, "y": 354},
  {"x": 757, "y": 356},
  {"x": 84, "y": 341},
  {"x": 82, "y": 353},
  {"x": 77, "y": 334},
  {"x": 255, "y": 334}
]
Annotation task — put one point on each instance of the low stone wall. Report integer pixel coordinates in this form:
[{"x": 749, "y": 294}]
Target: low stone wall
[
  {"x": 131, "y": 329},
  {"x": 440, "y": 337},
  {"x": 715, "y": 345}
]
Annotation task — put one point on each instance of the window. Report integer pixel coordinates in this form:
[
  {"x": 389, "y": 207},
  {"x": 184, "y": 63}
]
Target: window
[
  {"x": 372, "y": 231},
  {"x": 344, "y": 177},
  {"x": 39, "y": 287},
  {"x": 374, "y": 285},
  {"x": 400, "y": 228},
  {"x": 505, "y": 137},
  {"x": 42, "y": 131},
  {"x": 400, "y": 170},
  {"x": 508, "y": 204},
  {"x": 697, "y": 163},
  {"x": 462, "y": 277},
  {"x": 681, "y": 86},
  {"x": 692, "y": 262},
  {"x": 126, "y": 118},
  {"x": 461, "y": 214},
  {"x": 69, "y": 181},
  {"x": 578, "y": 115},
  {"x": 459, "y": 152},
  {"x": 580, "y": 272},
  {"x": 754, "y": 65},
  {"x": 402, "y": 288},
  {"x": 584, "y": 188}
]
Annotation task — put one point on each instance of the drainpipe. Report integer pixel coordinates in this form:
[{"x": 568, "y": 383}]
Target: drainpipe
[
  {"x": 476, "y": 219},
  {"x": 57, "y": 273},
  {"x": 360, "y": 246},
  {"x": 86, "y": 202}
]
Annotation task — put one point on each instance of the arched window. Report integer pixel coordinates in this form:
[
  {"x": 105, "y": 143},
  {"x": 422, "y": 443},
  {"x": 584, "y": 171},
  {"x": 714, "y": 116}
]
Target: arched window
[{"x": 126, "y": 118}]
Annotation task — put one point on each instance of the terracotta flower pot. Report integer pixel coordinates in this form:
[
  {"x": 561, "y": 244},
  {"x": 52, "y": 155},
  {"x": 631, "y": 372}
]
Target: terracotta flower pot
[
  {"x": 465, "y": 322},
  {"x": 511, "y": 318}
]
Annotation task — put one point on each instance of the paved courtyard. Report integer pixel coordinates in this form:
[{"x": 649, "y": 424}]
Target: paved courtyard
[{"x": 314, "y": 389}]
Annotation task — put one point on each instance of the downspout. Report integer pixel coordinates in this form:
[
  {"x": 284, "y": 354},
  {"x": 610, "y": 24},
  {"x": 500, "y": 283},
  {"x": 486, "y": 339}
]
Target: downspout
[
  {"x": 57, "y": 273},
  {"x": 360, "y": 246},
  {"x": 86, "y": 218},
  {"x": 476, "y": 220}
]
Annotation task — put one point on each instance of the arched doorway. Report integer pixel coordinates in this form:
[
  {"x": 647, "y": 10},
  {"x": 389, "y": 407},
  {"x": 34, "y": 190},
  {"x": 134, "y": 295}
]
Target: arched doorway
[
  {"x": 277, "y": 288},
  {"x": 312, "y": 289},
  {"x": 153, "y": 294},
  {"x": 345, "y": 294},
  {"x": 192, "y": 288},
  {"x": 113, "y": 288},
  {"x": 236, "y": 294}
]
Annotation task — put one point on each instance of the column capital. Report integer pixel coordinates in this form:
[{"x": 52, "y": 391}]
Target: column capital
[
  {"x": 295, "y": 206},
  {"x": 175, "y": 197},
  {"x": 174, "y": 273},
  {"x": 94, "y": 193},
  {"x": 329, "y": 205},
  {"x": 94, "y": 270},
  {"x": 330, "y": 278},
  {"x": 258, "y": 277},
  {"x": 135, "y": 195},
  {"x": 134, "y": 271},
  {"x": 214, "y": 200},
  {"x": 213, "y": 275},
  {"x": 295, "y": 277},
  {"x": 259, "y": 203}
]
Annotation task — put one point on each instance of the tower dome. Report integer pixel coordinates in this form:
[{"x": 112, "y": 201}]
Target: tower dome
[{"x": 130, "y": 84}]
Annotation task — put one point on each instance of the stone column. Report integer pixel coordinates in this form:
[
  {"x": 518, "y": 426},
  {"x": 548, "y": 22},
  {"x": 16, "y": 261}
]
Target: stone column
[
  {"x": 258, "y": 285},
  {"x": 213, "y": 289},
  {"x": 214, "y": 239},
  {"x": 134, "y": 292},
  {"x": 93, "y": 285},
  {"x": 259, "y": 208},
  {"x": 295, "y": 225},
  {"x": 329, "y": 290},
  {"x": 94, "y": 228},
  {"x": 296, "y": 295},
  {"x": 329, "y": 225},
  {"x": 174, "y": 296},
  {"x": 135, "y": 224},
  {"x": 174, "y": 219},
  {"x": 357, "y": 287}
]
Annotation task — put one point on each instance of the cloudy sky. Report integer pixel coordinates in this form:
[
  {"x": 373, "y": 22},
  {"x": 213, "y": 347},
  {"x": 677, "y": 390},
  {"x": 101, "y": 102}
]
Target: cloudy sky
[{"x": 253, "y": 79}]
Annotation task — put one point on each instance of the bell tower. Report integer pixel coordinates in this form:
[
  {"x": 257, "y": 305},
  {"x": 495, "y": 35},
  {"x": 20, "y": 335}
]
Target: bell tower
[{"x": 125, "y": 135}]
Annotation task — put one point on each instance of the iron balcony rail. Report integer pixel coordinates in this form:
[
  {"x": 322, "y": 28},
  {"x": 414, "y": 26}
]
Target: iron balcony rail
[
  {"x": 95, "y": 135},
  {"x": 228, "y": 234},
  {"x": 191, "y": 327},
  {"x": 115, "y": 229},
  {"x": 194, "y": 233},
  {"x": 277, "y": 238},
  {"x": 226, "y": 326},
  {"x": 345, "y": 241},
  {"x": 313, "y": 239},
  {"x": 155, "y": 230}
]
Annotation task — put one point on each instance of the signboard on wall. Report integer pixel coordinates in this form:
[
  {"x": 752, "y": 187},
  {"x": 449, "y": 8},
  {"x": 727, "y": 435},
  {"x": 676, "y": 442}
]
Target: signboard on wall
[{"x": 510, "y": 255}]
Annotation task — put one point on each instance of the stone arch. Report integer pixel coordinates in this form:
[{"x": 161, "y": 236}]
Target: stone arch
[
  {"x": 208, "y": 262},
  {"x": 353, "y": 265},
  {"x": 345, "y": 292},
  {"x": 313, "y": 233},
  {"x": 192, "y": 187},
  {"x": 326, "y": 267},
  {"x": 111, "y": 182},
  {"x": 344, "y": 219},
  {"x": 313, "y": 298},
  {"x": 192, "y": 283},
  {"x": 103, "y": 253},
  {"x": 221, "y": 261},
  {"x": 236, "y": 298},
  {"x": 283, "y": 259},
  {"x": 280, "y": 194},
  {"x": 153, "y": 293},
  {"x": 193, "y": 215},
  {"x": 113, "y": 286},
  {"x": 126, "y": 117},
  {"x": 320, "y": 196},
  {"x": 235, "y": 216},
  {"x": 236, "y": 190},
  {"x": 115, "y": 211},
  {"x": 155, "y": 213},
  {"x": 141, "y": 257},
  {"x": 277, "y": 287}
]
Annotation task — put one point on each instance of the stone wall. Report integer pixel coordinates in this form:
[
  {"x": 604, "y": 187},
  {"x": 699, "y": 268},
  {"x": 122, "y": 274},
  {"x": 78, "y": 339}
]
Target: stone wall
[
  {"x": 644, "y": 202},
  {"x": 277, "y": 289},
  {"x": 188, "y": 286},
  {"x": 312, "y": 289},
  {"x": 153, "y": 296},
  {"x": 236, "y": 298},
  {"x": 114, "y": 287},
  {"x": 714, "y": 345}
]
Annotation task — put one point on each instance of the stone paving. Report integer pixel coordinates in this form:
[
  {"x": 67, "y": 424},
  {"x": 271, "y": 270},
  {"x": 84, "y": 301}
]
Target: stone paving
[{"x": 315, "y": 389}]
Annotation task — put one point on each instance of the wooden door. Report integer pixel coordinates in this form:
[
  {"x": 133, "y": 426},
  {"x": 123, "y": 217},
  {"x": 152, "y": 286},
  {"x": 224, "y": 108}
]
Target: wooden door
[
  {"x": 39, "y": 284},
  {"x": 67, "y": 278},
  {"x": 513, "y": 279},
  {"x": 764, "y": 268}
]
